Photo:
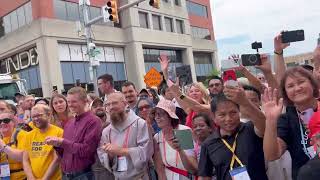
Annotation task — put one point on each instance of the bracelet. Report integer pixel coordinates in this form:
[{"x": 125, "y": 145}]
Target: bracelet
[{"x": 279, "y": 53}]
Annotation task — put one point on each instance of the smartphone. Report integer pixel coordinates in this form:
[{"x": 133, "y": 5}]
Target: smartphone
[
  {"x": 172, "y": 74},
  {"x": 185, "y": 138},
  {"x": 251, "y": 59},
  {"x": 229, "y": 75},
  {"x": 292, "y": 36},
  {"x": 55, "y": 88},
  {"x": 229, "y": 64}
]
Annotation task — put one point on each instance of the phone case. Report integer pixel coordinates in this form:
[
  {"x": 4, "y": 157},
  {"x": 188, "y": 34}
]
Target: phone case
[{"x": 185, "y": 138}]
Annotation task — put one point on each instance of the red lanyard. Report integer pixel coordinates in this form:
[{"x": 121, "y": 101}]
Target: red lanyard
[
  {"x": 165, "y": 154},
  {"x": 196, "y": 150},
  {"x": 126, "y": 139}
]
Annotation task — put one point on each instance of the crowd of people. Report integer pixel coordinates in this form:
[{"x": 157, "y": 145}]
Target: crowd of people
[{"x": 263, "y": 127}]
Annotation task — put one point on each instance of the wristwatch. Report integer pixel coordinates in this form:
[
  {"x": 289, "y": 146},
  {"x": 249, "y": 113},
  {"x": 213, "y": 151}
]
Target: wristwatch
[
  {"x": 182, "y": 96},
  {"x": 279, "y": 53}
]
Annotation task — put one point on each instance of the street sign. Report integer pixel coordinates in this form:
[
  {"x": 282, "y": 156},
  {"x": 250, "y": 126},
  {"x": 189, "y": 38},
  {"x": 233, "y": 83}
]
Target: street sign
[{"x": 152, "y": 78}]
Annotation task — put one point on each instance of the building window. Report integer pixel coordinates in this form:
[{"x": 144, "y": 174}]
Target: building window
[
  {"x": 177, "y": 2},
  {"x": 197, "y": 9},
  {"x": 60, "y": 9},
  {"x": 151, "y": 57},
  {"x": 156, "y": 22},
  {"x": 143, "y": 19},
  {"x": 203, "y": 65},
  {"x": 72, "y": 12},
  {"x": 166, "y": 1},
  {"x": 16, "y": 19},
  {"x": 169, "y": 25},
  {"x": 179, "y": 26},
  {"x": 201, "y": 33}
]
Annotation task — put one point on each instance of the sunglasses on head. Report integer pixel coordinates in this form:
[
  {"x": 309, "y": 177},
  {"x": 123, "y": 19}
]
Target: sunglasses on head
[{"x": 5, "y": 120}]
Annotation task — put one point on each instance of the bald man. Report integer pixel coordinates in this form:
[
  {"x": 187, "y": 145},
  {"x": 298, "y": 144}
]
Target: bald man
[{"x": 126, "y": 144}]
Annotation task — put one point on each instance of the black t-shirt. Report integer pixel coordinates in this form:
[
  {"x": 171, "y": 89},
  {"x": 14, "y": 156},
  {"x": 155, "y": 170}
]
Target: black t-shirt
[
  {"x": 289, "y": 132},
  {"x": 249, "y": 149}
]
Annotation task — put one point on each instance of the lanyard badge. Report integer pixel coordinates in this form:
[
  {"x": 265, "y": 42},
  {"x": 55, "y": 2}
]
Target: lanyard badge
[
  {"x": 239, "y": 173},
  {"x": 4, "y": 170}
]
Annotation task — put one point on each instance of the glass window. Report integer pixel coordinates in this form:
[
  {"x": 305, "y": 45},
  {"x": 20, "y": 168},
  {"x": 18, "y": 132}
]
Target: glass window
[
  {"x": 197, "y": 9},
  {"x": 177, "y": 2},
  {"x": 28, "y": 12},
  {"x": 179, "y": 26},
  {"x": 60, "y": 9},
  {"x": 1, "y": 30},
  {"x": 201, "y": 33},
  {"x": 7, "y": 24},
  {"x": 72, "y": 11},
  {"x": 21, "y": 16},
  {"x": 143, "y": 19},
  {"x": 14, "y": 20},
  {"x": 156, "y": 22},
  {"x": 168, "y": 22},
  {"x": 94, "y": 12}
]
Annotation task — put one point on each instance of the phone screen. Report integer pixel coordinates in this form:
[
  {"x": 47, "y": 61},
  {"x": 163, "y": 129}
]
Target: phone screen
[{"x": 172, "y": 74}]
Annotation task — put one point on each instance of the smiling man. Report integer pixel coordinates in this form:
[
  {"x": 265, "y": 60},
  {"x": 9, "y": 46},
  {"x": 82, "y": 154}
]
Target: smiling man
[{"x": 131, "y": 94}]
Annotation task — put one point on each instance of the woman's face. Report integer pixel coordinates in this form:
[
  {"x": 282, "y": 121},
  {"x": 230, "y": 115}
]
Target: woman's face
[
  {"x": 59, "y": 105},
  {"x": 144, "y": 109},
  {"x": 299, "y": 89},
  {"x": 162, "y": 118},
  {"x": 6, "y": 124},
  {"x": 201, "y": 129},
  {"x": 195, "y": 93}
]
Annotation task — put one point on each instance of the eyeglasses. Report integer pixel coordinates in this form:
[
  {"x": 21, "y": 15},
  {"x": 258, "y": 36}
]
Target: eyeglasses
[
  {"x": 144, "y": 107},
  {"x": 5, "y": 120},
  {"x": 215, "y": 84}
]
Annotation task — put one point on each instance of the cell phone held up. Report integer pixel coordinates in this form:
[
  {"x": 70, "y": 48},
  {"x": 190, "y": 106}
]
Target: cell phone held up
[
  {"x": 292, "y": 36},
  {"x": 251, "y": 59},
  {"x": 229, "y": 75}
]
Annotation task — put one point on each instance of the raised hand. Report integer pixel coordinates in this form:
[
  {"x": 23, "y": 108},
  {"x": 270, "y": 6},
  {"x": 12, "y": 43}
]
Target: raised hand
[
  {"x": 164, "y": 62},
  {"x": 265, "y": 64},
  {"x": 278, "y": 45},
  {"x": 271, "y": 106}
]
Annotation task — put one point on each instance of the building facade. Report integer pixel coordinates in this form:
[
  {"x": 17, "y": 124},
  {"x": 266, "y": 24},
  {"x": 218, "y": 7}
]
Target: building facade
[{"x": 40, "y": 42}]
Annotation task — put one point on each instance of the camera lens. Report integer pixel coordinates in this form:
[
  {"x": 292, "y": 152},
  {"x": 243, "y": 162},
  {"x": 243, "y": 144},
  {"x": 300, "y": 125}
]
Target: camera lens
[{"x": 253, "y": 59}]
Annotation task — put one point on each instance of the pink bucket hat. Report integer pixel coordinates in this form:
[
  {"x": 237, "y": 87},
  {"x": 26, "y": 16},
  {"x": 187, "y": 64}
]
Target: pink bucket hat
[{"x": 169, "y": 107}]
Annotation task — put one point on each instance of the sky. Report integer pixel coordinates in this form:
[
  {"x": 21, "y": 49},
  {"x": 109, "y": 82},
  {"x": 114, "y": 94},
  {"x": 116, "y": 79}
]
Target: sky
[{"x": 238, "y": 23}]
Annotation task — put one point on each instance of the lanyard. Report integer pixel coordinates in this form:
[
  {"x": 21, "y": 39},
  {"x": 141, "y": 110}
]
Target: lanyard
[
  {"x": 196, "y": 150},
  {"x": 165, "y": 153},
  {"x": 304, "y": 140},
  {"x": 233, "y": 149},
  {"x": 126, "y": 139}
]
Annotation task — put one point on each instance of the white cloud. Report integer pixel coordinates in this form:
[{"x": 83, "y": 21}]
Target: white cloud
[{"x": 261, "y": 20}]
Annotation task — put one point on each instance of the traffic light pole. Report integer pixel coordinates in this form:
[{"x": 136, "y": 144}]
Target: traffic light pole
[
  {"x": 87, "y": 29},
  {"x": 129, "y": 5}
]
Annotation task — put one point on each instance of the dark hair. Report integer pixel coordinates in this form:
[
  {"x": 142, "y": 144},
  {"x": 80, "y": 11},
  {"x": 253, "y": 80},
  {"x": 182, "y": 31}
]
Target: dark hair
[
  {"x": 253, "y": 89},
  {"x": 128, "y": 83},
  {"x": 215, "y": 77},
  {"x": 307, "y": 67},
  {"x": 206, "y": 118},
  {"x": 13, "y": 108},
  {"x": 220, "y": 98},
  {"x": 174, "y": 122},
  {"x": 42, "y": 99},
  {"x": 107, "y": 78},
  {"x": 154, "y": 94},
  {"x": 295, "y": 72},
  {"x": 151, "y": 104}
]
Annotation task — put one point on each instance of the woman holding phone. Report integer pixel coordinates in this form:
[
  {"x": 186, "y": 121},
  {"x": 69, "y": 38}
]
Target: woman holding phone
[{"x": 171, "y": 161}]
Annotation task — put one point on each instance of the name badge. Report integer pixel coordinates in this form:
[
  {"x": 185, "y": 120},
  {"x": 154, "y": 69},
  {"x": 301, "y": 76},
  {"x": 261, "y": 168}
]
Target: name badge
[
  {"x": 122, "y": 164},
  {"x": 176, "y": 176},
  {"x": 311, "y": 151},
  {"x": 4, "y": 170},
  {"x": 240, "y": 173}
]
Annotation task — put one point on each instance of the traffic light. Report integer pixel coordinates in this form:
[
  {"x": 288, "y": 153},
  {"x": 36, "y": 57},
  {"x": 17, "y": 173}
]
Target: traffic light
[
  {"x": 155, "y": 3},
  {"x": 110, "y": 11}
]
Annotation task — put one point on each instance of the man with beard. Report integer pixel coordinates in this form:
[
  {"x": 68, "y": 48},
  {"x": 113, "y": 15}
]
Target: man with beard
[
  {"x": 81, "y": 137},
  {"x": 40, "y": 160},
  {"x": 97, "y": 108},
  {"x": 215, "y": 86},
  {"x": 126, "y": 144},
  {"x": 28, "y": 103},
  {"x": 131, "y": 94}
]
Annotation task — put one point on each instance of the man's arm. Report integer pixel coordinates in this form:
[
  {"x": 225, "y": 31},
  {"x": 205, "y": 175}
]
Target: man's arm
[
  {"x": 280, "y": 65},
  {"x": 237, "y": 95},
  {"x": 26, "y": 166},
  {"x": 91, "y": 139},
  {"x": 12, "y": 153},
  {"x": 52, "y": 167}
]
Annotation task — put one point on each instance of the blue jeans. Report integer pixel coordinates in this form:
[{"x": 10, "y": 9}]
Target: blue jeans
[{"x": 85, "y": 176}]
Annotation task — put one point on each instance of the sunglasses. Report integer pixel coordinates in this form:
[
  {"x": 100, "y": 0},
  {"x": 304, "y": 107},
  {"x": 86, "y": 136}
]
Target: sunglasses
[
  {"x": 144, "y": 107},
  {"x": 5, "y": 120}
]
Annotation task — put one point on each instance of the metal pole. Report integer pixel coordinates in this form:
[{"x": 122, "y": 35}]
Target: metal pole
[
  {"x": 87, "y": 26},
  {"x": 129, "y": 5}
]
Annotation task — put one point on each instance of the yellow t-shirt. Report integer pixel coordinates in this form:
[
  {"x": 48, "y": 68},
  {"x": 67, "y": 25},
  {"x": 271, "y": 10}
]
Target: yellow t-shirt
[
  {"x": 41, "y": 154},
  {"x": 14, "y": 165}
]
